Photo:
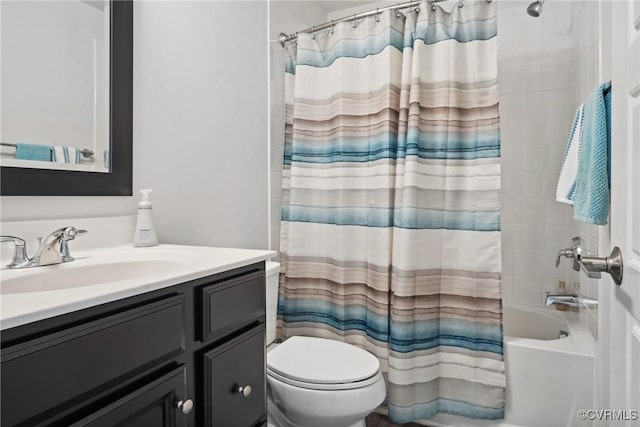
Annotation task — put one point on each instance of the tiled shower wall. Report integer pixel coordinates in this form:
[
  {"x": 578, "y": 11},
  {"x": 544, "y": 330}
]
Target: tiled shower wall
[
  {"x": 587, "y": 73},
  {"x": 537, "y": 88},
  {"x": 288, "y": 17}
]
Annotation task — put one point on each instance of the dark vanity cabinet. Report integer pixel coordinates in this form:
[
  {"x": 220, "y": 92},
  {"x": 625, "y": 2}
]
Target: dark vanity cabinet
[{"x": 188, "y": 355}]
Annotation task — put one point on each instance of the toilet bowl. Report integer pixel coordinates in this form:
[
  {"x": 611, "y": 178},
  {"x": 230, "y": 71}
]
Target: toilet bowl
[{"x": 318, "y": 382}]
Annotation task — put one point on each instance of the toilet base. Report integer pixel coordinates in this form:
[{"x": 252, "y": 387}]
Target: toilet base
[
  {"x": 275, "y": 418},
  {"x": 270, "y": 423}
]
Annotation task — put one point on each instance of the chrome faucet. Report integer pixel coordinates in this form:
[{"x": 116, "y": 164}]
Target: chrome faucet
[
  {"x": 53, "y": 249},
  {"x": 566, "y": 300}
]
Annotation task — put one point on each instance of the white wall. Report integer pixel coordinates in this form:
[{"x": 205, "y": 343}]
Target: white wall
[
  {"x": 200, "y": 126},
  {"x": 350, "y": 8},
  {"x": 200, "y": 119},
  {"x": 19, "y": 208}
]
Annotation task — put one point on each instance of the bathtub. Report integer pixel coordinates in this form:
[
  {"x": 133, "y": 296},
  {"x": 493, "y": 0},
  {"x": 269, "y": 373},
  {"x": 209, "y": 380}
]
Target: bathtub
[{"x": 548, "y": 378}]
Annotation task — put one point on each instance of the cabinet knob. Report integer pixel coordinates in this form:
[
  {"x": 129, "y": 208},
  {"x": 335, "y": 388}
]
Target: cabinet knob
[
  {"x": 185, "y": 405},
  {"x": 245, "y": 391}
]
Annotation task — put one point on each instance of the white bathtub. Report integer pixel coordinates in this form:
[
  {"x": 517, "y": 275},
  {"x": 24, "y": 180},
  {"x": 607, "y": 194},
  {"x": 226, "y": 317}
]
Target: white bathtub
[{"x": 548, "y": 379}]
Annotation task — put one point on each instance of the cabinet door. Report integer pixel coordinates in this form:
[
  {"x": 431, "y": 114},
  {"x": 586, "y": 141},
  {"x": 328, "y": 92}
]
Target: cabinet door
[
  {"x": 152, "y": 405},
  {"x": 45, "y": 375},
  {"x": 238, "y": 363}
]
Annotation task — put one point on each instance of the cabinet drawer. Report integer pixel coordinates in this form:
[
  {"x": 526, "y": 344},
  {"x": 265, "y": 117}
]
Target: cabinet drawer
[
  {"x": 229, "y": 304},
  {"x": 237, "y": 363},
  {"x": 40, "y": 375}
]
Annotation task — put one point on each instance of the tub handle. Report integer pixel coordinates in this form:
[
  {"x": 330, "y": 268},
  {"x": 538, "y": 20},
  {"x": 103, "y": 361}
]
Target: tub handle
[
  {"x": 574, "y": 252},
  {"x": 593, "y": 266},
  {"x": 612, "y": 264}
]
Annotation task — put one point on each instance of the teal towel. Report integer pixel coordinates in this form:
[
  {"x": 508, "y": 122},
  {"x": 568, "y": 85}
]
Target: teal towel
[
  {"x": 593, "y": 181},
  {"x": 33, "y": 152}
]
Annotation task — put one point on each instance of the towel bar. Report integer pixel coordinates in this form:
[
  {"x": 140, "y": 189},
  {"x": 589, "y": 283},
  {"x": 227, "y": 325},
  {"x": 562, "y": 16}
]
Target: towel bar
[{"x": 86, "y": 153}]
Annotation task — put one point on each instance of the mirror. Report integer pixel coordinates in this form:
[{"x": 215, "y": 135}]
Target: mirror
[
  {"x": 55, "y": 87},
  {"x": 66, "y": 97}
]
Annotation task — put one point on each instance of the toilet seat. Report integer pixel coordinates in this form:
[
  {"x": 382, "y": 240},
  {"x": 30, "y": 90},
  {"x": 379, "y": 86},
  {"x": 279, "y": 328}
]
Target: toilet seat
[
  {"x": 322, "y": 364},
  {"x": 326, "y": 387}
]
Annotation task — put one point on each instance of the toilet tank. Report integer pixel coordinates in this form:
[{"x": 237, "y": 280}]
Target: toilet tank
[{"x": 272, "y": 270}]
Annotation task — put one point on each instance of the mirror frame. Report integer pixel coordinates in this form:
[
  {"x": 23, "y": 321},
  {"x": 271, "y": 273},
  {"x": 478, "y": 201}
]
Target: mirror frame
[{"x": 119, "y": 180}]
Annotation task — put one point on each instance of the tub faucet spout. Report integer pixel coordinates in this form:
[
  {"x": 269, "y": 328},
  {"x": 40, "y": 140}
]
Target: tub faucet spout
[{"x": 566, "y": 300}]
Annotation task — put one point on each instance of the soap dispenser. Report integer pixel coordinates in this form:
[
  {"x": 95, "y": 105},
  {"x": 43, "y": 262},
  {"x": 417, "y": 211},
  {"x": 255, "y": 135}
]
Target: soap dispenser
[{"x": 145, "y": 234}]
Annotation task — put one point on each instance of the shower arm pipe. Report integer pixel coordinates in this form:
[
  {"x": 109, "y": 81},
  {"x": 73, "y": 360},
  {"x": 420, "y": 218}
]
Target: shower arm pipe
[{"x": 284, "y": 38}]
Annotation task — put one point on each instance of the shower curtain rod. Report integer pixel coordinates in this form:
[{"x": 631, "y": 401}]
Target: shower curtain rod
[{"x": 284, "y": 38}]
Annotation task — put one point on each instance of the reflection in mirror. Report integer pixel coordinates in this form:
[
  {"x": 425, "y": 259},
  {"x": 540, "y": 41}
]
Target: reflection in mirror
[{"x": 55, "y": 85}]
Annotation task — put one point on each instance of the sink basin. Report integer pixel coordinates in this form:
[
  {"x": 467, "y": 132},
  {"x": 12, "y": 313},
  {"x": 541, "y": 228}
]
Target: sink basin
[{"x": 67, "y": 276}]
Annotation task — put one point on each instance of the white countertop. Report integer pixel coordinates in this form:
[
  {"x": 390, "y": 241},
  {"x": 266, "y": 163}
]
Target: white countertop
[{"x": 153, "y": 268}]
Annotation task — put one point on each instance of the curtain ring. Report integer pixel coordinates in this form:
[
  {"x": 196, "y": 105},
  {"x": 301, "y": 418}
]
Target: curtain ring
[
  {"x": 417, "y": 10},
  {"x": 354, "y": 23},
  {"x": 460, "y": 4},
  {"x": 331, "y": 30},
  {"x": 313, "y": 33},
  {"x": 398, "y": 13},
  {"x": 377, "y": 15},
  {"x": 433, "y": 6}
]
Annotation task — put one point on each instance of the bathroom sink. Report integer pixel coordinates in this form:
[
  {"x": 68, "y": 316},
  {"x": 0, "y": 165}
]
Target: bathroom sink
[
  {"x": 66, "y": 276},
  {"x": 106, "y": 268},
  {"x": 101, "y": 275}
]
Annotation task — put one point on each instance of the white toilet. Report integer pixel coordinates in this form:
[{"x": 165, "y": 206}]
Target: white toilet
[{"x": 316, "y": 382}]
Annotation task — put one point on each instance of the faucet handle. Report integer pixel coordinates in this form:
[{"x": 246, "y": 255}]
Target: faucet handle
[
  {"x": 14, "y": 239},
  {"x": 575, "y": 253},
  {"x": 20, "y": 258},
  {"x": 567, "y": 253},
  {"x": 70, "y": 233}
]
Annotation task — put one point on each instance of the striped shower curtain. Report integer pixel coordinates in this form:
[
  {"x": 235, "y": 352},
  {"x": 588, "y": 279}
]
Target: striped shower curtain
[{"x": 391, "y": 212}]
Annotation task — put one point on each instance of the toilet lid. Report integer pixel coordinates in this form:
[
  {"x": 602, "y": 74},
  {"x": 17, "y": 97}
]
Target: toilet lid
[{"x": 321, "y": 361}]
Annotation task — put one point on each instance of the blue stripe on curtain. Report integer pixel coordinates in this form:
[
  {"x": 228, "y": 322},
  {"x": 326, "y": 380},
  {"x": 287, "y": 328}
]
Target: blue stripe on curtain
[
  {"x": 345, "y": 317},
  {"x": 405, "y": 337},
  {"x": 359, "y": 48},
  {"x": 405, "y": 217},
  {"x": 403, "y": 414},
  {"x": 463, "y": 32},
  {"x": 459, "y": 146},
  {"x": 427, "y": 141},
  {"x": 429, "y": 33}
]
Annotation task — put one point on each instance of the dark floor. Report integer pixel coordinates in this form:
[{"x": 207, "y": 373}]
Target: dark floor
[{"x": 377, "y": 420}]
